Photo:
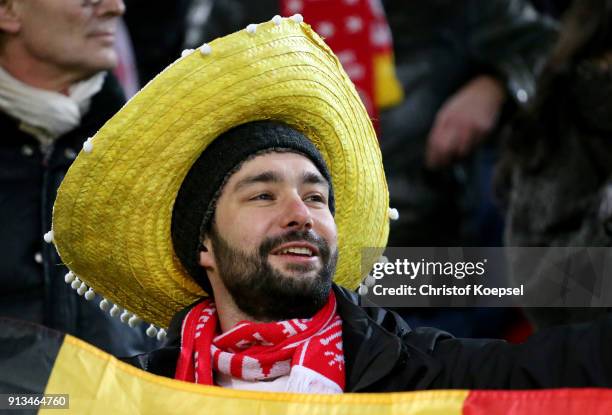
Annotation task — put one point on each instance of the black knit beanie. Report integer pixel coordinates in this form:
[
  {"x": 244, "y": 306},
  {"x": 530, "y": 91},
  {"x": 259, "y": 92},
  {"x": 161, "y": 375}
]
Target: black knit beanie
[{"x": 196, "y": 200}]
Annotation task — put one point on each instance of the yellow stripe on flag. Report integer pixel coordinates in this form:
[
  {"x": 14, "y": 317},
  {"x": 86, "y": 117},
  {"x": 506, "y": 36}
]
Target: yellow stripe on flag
[{"x": 97, "y": 383}]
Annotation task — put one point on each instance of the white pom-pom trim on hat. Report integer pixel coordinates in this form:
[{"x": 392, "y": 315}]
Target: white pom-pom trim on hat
[
  {"x": 69, "y": 277},
  {"x": 114, "y": 311},
  {"x": 251, "y": 29},
  {"x": 88, "y": 145},
  {"x": 363, "y": 290},
  {"x": 298, "y": 18},
  {"x": 161, "y": 335},
  {"x": 105, "y": 304},
  {"x": 76, "y": 283},
  {"x": 151, "y": 331},
  {"x": 383, "y": 259},
  {"x": 277, "y": 20},
  {"x": 134, "y": 321},
  {"x": 90, "y": 294},
  {"x": 82, "y": 289},
  {"x": 48, "y": 237},
  {"x": 186, "y": 52},
  {"x": 393, "y": 214},
  {"x": 125, "y": 316},
  {"x": 205, "y": 49},
  {"x": 369, "y": 281}
]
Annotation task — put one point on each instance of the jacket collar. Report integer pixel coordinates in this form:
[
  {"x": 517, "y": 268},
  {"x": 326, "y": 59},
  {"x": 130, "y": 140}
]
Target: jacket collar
[
  {"x": 382, "y": 353},
  {"x": 370, "y": 351}
]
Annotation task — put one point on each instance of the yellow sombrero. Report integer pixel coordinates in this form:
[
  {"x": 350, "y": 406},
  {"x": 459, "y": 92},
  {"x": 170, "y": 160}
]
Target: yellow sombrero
[{"x": 112, "y": 215}]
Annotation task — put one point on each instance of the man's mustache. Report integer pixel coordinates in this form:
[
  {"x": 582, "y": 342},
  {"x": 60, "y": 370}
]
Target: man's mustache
[{"x": 269, "y": 244}]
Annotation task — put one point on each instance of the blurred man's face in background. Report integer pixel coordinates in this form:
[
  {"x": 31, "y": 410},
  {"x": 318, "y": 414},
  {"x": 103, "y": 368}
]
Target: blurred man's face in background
[{"x": 70, "y": 35}]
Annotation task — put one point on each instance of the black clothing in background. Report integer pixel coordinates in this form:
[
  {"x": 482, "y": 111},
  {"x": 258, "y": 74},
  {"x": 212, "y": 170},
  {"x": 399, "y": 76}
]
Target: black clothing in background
[
  {"x": 32, "y": 283},
  {"x": 157, "y": 31},
  {"x": 440, "y": 46}
]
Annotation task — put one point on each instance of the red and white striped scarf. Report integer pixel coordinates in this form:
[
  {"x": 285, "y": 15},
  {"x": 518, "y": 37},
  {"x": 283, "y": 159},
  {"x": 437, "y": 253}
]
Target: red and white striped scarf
[{"x": 308, "y": 350}]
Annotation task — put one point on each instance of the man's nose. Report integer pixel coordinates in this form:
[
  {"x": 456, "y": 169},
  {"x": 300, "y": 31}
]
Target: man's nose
[
  {"x": 296, "y": 214},
  {"x": 111, "y": 7}
]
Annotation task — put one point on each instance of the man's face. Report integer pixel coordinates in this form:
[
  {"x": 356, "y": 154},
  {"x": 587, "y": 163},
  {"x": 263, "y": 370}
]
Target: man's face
[
  {"x": 274, "y": 241},
  {"x": 71, "y": 35}
]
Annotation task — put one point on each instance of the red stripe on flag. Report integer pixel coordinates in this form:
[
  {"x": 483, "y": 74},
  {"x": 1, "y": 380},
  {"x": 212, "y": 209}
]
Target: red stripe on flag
[{"x": 587, "y": 401}]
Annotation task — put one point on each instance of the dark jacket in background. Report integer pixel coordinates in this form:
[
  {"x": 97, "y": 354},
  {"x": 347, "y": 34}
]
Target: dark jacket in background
[
  {"x": 383, "y": 354},
  {"x": 439, "y": 46},
  {"x": 558, "y": 167},
  {"x": 32, "y": 283},
  {"x": 565, "y": 199}
]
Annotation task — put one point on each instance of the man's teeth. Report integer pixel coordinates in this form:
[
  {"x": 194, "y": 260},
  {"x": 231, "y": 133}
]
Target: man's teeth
[{"x": 299, "y": 251}]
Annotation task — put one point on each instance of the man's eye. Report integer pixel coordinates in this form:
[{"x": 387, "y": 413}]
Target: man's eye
[
  {"x": 262, "y": 196},
  {"x": 315, "y": 198}
]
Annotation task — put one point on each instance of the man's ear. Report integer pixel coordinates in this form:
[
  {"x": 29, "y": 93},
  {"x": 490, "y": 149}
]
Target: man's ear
[
  {"x": 207, "y": 258},
  {"x": 9, "y": 20}
]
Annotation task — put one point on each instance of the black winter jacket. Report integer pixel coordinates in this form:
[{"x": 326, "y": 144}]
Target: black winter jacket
[
  {"x": 32, "y": 283},
  {"x": 383, "y": 354}
]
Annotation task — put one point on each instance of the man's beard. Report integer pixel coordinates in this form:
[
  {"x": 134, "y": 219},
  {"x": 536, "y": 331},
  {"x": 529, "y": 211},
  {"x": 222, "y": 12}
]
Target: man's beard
[{"x": 266, "y": 294}]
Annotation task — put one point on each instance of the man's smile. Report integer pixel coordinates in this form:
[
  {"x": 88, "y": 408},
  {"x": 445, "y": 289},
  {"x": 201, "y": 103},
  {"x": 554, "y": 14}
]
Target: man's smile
[
  {"x": 296, "y": 248},
  {"x": 296, "y": 253}
]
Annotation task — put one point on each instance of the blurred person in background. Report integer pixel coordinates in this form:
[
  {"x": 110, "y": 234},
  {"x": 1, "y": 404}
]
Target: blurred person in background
[
  {"x": 556, "y": 174},
  {"x": 55, "y": 92},
  {"x": 462, "y": 65}
]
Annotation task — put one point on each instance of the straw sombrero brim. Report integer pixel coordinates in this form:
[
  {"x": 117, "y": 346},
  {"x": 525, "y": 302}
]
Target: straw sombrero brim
[{"x": 112, "y": 215}]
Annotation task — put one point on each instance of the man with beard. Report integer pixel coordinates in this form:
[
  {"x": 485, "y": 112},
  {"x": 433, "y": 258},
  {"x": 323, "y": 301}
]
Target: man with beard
[
  {"x": 223, "y": 200},
  {"x": 268, "y": 253},
  {"x": 261, "y": 198}
]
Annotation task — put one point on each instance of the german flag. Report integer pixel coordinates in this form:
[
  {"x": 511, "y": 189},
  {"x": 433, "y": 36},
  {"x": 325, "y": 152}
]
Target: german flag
[{"x": 36, "y": 360}]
